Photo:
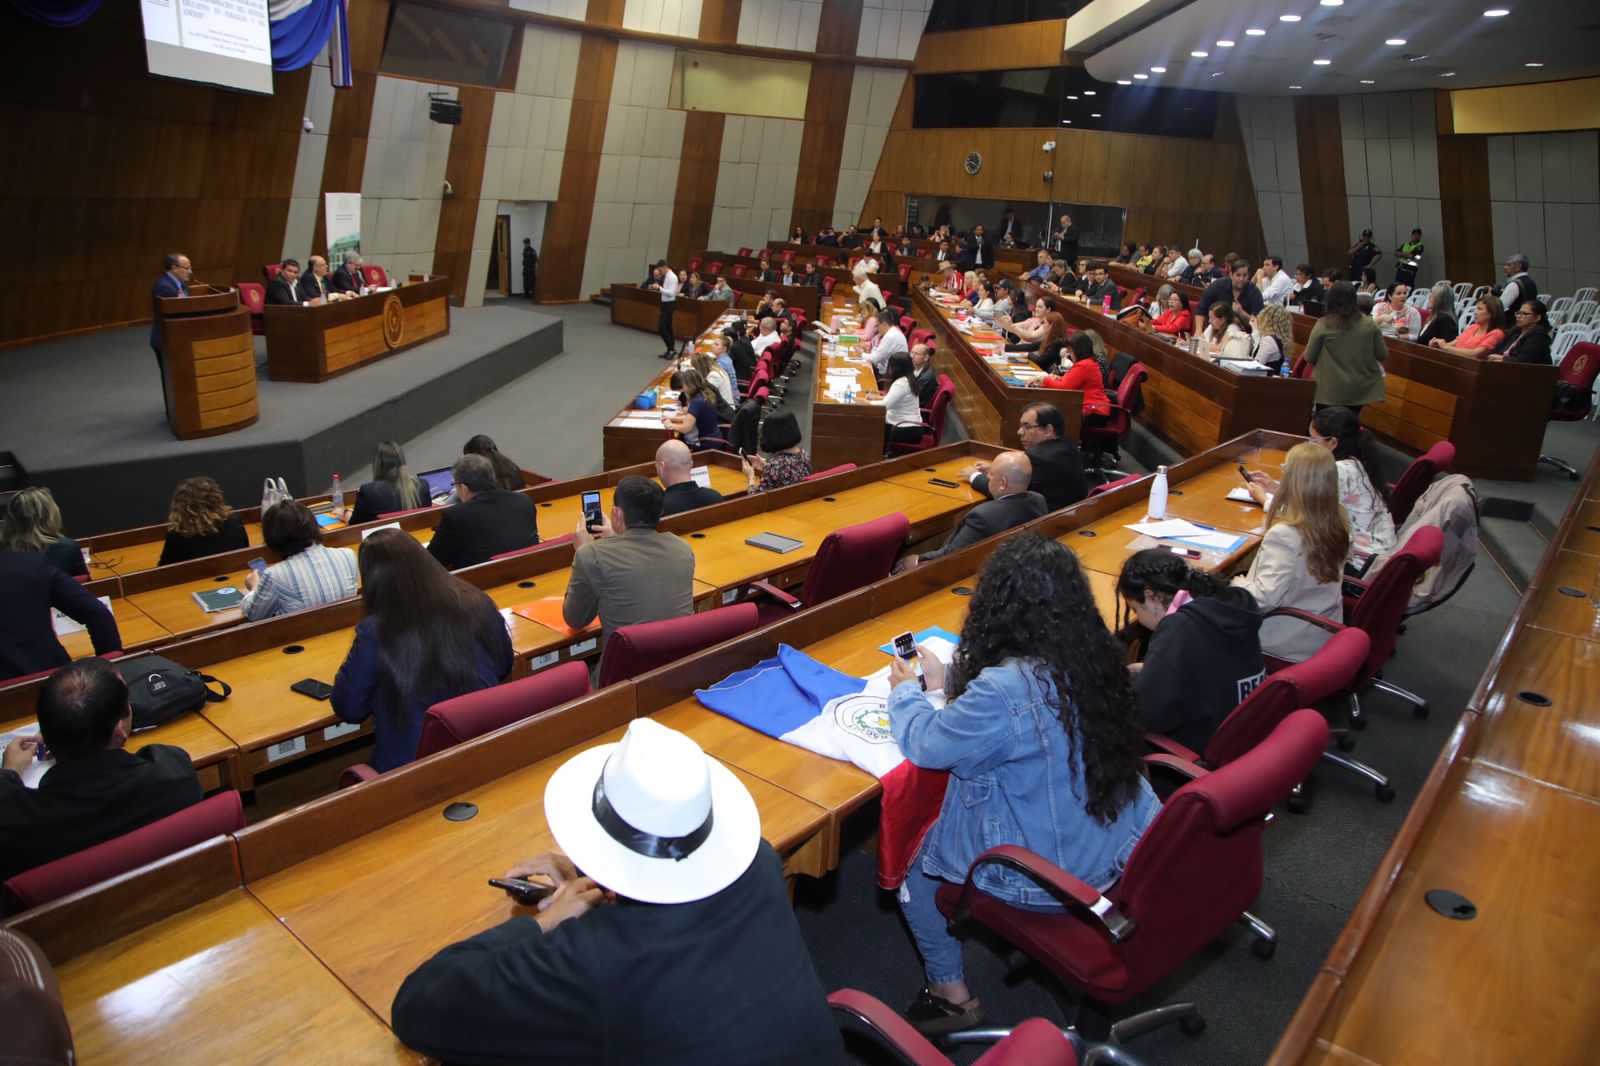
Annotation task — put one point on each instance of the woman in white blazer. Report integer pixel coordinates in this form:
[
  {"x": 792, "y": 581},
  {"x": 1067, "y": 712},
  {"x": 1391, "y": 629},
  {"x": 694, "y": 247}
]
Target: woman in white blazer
[{"x": 1301, "y": 559}]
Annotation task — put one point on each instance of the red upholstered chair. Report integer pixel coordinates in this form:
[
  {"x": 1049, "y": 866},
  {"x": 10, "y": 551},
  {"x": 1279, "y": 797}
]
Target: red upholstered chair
[
  {"x": 375, "y": 275},
  {"x": 638, "y": 649},
  {"x": 842, "y": 468},
  {"x": 907, "y": 324},
  {"x": 1416, "y": 478},
  {"x": 1579, "y": 368},
  {"x": 847, "y": 559},
  {"x": 1103, "y": 442},
  {"x": 216, "y": 816},
  {"x": 270, "y": 270},
  {"x": 1190, "y": 877},
  {"x": 933, "y": 421},
  {"x": 744, "y": 251},
  {"x": 828, "y": 282},
  {"x": 254, "y": 297},
  {"x": 1302, "y": 369},
  {"x": 788, "y": 255},
  {"x": 1033, "y": 1043},
  {"x": 693, "y": 264},
  {"x": 462, "y": 718},
  {"x": 904, "y": 270},
  {"x": 738, "y": 270},
  {"x": 1095, "y": 490},
  {"x": 31, "y": 1014},
  {"x": 822, "y": 260},
  {"x": 920, "y": 336},
  {"x": 714, "y": 268}
]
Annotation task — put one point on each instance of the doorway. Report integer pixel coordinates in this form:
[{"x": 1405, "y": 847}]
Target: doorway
[{"x": 500, "y": 257}]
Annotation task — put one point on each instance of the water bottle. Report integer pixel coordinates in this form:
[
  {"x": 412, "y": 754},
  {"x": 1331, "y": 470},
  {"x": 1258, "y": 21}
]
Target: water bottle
[
  {"x": 1105, "y": 304},
  {"x": 336, "y": 494},
  {"x": 1283, "y": 368},
  {"x": 1158, "y": 495}
]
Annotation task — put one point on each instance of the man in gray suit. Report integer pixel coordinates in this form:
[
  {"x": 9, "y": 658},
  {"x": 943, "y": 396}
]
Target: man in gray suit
[
  {"x": 626, "y": 571},
  {"x": 1011, "y": 506}
]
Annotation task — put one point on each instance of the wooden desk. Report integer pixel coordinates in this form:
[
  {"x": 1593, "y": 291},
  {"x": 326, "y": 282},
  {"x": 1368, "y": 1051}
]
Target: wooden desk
[
  {"x": 317, "y": 343},
  {"x": 138, "y": 630},
  {"x": 1507, "y": 818},
  {"x": 844, "y": 432},
  {"x": 632, "y": 436},
  {"x": 641, "y": 309},
  {"x": 212, "y": 753}
]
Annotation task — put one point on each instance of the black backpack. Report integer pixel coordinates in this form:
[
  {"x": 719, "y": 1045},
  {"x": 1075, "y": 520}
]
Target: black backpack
[{"x": 159, "y": 689}]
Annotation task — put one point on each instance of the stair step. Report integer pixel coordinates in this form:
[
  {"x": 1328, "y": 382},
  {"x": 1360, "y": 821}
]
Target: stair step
[{"x": 1516, "y": 544}]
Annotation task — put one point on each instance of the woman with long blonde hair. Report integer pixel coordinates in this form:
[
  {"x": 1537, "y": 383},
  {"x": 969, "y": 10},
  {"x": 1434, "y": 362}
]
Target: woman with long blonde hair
[
  {"x": 200, "y": 522},
  {"x": 1301, "y": 558},
  {"x": 1272, "y": 336},
  {"x": 33, "y": 524}
]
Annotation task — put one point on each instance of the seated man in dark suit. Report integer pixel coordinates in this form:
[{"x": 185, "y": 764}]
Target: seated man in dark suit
[
  {"x": 1011, "y": 506},
  {"x": 489, "y": 520},
  {"x": 96, "y": 790},
  {"x": 314, "y": 286},
  {"x": 281, "y": 289},
  {"x": 675, "y": 468},
  {"x": 1056, "y": 462},
  {"x": 926, "y": 379},
  {"x": 348, "y": 278},
  {"x": 30, "y": 585},
  {"x": 1101, "y": 286}
]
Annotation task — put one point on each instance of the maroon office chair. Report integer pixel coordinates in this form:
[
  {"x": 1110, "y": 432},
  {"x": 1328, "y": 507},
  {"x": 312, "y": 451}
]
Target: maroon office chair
[
  {"x": 828, "y": 283},
  {"x": 933, "y": 421},
  {"x": 31, "y": 1015},
  {"x": 270, "y": 270},
  {"x": 254, "y": 297},
  {"x": 1033, "y": 1043},
  {"x": 638, "y": 649},
  {"x": 1416, "y": 478},
  {"x": 1095, "y": 490},
  {"x": 1578, "y": 371},
  {"x": 744, "y": 252},
  {"x": 714, "y": 268},
  {"x": 1302, "y": 368},
  {"x": 1190, "y": 877},
  {"x": 842, "y": 468},
  {"x": 738, "y": 270},
  {"x": 920, "y": 336},
  {"x": 788, "y": 255},
  {"x": 1103, "y": 442},
  {"x": 692, "y": 265},
  {"x": 908, "y": 325},
  {"x": 212, "y": 817},
  {"x": 375, "y": 275},
  {"x": 904, "y": 270},
  {"x": 461, "y": 718},
  {"x": 847, "y": 559}
]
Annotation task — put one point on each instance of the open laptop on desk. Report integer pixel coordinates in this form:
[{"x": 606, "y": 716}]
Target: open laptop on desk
[{"x": 439, "y": 483}]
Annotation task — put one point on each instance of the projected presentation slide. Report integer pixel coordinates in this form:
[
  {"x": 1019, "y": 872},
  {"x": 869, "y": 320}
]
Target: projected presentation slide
[{"x": 222, "y": 42}]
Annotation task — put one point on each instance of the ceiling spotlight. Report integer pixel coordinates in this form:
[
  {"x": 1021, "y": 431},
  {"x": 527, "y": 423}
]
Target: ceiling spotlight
[
  {"x": 1088, "y": 92},
  {"x": 1497, "y": 12},
  {"x": 1332, "y": 3},
  {"x": 1322, "y": 62},
  {"x": 1368, "y": 81},
  {"x": 1448, "y": 74},
  {"x": 1095, "y": 115},
  {"x": 1158, "y": 70},
  {"x": 1072, "y": 98},
  {"x": 1395, "y": 42},
  {"x": 1218, "y": 73},
  {"x": 1224, "y": 44},
  {"x": 1418, "y": 59},
  {"x": 1141, "y": 77},
  {"x": 1255, "y": 33},
  {"x": 1123, "y": 81},
  {"x": 1297, "y": 86},
  {"x": 1066, "y": 122},
  {"x": 1288, "y": 18},
  {"x": 1199, "y": 55},
  {"x": 1533, "y": 64}
]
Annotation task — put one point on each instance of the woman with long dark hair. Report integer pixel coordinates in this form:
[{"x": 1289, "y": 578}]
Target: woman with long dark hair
[
  {"x": 393, "y": 487},
  {"x": 507, "y": 474},
  {"x": 427, "y": 636},
  {"x": 902, "y": 412},
  {"x": 1530, "y": 341},
  {"x": 1202, "y": 645},
  {"x": 1039, "y": 735},
  {"x": 1348, "y": 351},
  {"x": 1084, "y": 373},
  {"x": 1176, "y": 320}
]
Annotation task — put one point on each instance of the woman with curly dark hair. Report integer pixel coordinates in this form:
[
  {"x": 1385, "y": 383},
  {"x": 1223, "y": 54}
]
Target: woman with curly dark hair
[
  {"x": 1039, "y": 736},
  {"x": 200, "y": 522}
]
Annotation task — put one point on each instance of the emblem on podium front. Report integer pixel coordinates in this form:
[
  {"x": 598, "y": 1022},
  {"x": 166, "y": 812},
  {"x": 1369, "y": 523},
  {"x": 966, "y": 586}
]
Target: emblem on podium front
[{"x": 394, "y": 321}]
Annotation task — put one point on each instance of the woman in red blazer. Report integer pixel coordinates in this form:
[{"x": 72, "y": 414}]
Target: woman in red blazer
[
  {"x": 1084, "y": 374},
  {"x": 1176, "y": 320}
]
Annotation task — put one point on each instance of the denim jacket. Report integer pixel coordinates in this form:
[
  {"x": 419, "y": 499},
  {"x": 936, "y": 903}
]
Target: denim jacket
[{"x": 1012, "y": 781}]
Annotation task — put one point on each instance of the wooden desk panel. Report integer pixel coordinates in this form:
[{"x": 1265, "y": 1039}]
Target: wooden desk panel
[
  {"x": 1559, "y": 743},
  {"x": 212, "y": 752},
  {"x": 641, "y": 309},
  {"x": 1560, "y": 601},
  {"x": 626, "y": 444},
  {"x": 317, "y": 343},
  {"x": 223, "y": 981},
  {"x": 136, "y": 628}
]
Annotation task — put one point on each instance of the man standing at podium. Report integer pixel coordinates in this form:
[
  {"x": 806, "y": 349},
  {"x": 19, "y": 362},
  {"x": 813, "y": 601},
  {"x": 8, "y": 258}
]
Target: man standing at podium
[{"x": 175, "y": 282}]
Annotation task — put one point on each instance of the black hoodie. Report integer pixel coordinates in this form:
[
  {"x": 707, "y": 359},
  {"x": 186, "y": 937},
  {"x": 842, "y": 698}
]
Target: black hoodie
[{"x": 1204, "y": 659}]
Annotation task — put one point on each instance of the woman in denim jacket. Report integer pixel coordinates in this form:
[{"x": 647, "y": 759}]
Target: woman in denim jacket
[{"x": 1059, "y": 775}]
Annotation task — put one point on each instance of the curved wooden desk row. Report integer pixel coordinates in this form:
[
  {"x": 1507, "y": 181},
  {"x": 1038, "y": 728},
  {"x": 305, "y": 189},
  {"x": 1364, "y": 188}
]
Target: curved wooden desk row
[
  {"x": 888, "y": 281},
  {"x": 1494, "y": 413},
  {"x": 263, "y": 725},
  {"x": 321, "y": 912},
  {"x": 333, "y": 338},
  {"x": 640, "y": 308},
  {"x": 1509, "y": 818}
]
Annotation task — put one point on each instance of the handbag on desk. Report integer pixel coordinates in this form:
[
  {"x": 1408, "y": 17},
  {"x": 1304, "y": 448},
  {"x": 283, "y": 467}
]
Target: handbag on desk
[{"x": 159, "y": 689}]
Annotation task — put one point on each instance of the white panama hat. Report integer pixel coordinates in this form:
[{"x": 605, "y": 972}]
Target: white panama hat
[{"x": 653, "y": 818}]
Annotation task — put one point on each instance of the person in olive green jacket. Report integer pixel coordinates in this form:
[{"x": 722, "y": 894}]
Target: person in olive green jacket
[{"x": 1348, "y": 350}]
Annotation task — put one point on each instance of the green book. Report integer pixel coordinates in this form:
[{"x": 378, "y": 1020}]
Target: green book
[{"x": 219, "y": 599}]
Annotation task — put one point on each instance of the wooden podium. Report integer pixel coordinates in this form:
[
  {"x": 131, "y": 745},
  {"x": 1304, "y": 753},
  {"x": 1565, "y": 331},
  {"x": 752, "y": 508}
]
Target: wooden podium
[{"x": 210, "y": 363}]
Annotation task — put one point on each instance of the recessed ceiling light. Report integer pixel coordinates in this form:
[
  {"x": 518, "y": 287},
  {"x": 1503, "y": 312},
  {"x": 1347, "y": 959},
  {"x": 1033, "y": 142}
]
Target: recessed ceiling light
[
  {"x": 1297, "y": 86},
  {"x": 1395, "y": 42},
  {"x": 1088, "y": 92},
  {"x": 1224, "y": 44},
  {"x": 1332, "y": 3},
  {"x": 1072, "y": 98},
  {"x": 1218, "y": 73},
  {"x": 1066, "y": 122},
  {"x": 1448, "y": 74},
  {"x": 1158, "y": 70},
  {"x": 1199, "y": 55},
  {"x": 1418, "y": 59},
  {"x": 1288, "y": 18},
  {"x": 1368, "y": 81},
  {"x": 1141, "y": 77},
  {"x": 1496, "y": 12},
  {"x": 1321, "y": 62},
  {"x": 1533, "y": 64},
  {"x": 1123, "y": 81},
  {"x": 1255, "y": 33},
  {"x": 1095, "y": 115}
]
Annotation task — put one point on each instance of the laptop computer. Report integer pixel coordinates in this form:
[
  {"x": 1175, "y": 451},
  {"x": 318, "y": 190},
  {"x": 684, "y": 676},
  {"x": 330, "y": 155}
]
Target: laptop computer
[{"x": 439, "y": 483}]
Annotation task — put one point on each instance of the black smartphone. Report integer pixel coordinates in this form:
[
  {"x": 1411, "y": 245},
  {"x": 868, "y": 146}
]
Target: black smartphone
[
  {"x": 592, "y": 519},
  {"x": 943, "y": 484},
  {"x": 525, "y": 892},
  {"x": 310, "y": 686},
  {"x": 905, "y": 647},
  {"x": 1244, "y": 474}
]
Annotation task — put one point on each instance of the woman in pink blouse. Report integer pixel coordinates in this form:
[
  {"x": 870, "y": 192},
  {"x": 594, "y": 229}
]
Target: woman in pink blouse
[{"x": 1485, "y": 333}]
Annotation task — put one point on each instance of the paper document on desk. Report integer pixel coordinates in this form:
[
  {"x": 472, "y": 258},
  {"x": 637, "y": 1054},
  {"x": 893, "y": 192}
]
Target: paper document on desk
[
  {"x": 1185, "y": 532},
  {"x": 36, "y": 769},
  {"x": 701, "y": 475},
  {"x": 65, "y": 626},
  {"x": 1241, "y": 495}
]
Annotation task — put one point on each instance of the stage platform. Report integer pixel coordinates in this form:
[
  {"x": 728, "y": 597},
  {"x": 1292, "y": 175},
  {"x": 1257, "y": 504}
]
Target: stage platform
[{"x": 84, "y": 415}]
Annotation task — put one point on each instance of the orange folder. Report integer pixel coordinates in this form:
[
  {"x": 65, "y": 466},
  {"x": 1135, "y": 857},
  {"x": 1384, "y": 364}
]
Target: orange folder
[{"x": 547, "y": 612}]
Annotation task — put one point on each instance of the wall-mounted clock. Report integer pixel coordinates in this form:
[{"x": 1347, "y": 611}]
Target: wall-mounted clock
[{"x": 973, "y": 163}]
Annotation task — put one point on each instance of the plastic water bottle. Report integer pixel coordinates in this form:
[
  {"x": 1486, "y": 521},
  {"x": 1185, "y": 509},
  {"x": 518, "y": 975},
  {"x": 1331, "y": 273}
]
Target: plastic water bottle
[
  {"x": 1158, "y": 495},
  {"x": 336, "y": 494},
  {"x": 1105, "y": 304},
  {"x": 1283, "y": 369}
]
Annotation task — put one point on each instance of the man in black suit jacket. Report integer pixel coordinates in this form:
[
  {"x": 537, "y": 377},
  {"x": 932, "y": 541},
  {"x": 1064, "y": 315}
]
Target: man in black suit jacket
[
  {"x": 314, "y": 286},
  {"x": 348, "y": 277},
  {"x": 926, "y": 379},
  {"x": 29, "y": 586},
  {"x": 281, "y": 289},
  {"x": 675, "y": 469},
  {"x": 1012, "y": 505},
  {"x": 174, "y": 282},
  {"x": 1235, "y": 288},
  {"x": 1057, "y": 464},
  {"x": 487, "y": 522},
  {"x": 96, "y": 790},
  {"x": 976, "y": 252}
]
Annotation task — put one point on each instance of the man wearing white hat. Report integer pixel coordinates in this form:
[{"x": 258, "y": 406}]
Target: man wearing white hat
[{"x": 696, "y": 960}]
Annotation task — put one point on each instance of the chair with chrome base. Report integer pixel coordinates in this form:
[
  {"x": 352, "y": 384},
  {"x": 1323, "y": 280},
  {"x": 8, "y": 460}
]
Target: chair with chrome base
[
  {"x": 1033, "y": 1043},
  {"x": 1190, "y": 877}
]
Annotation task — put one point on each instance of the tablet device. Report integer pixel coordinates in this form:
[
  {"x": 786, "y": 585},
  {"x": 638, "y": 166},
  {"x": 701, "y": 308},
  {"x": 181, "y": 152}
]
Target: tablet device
[{"x": 774, "y": 542}]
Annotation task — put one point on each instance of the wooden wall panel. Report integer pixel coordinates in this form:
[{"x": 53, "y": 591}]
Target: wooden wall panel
[
  {"x": 112, "y": 168},
  {"x": 698, "y": 163},
  {"x": 1327, "y": 211},
  {"x": 345, "y": 163},
  {"x": 458, "y": 216},
  {"x": 1464, "y": 205},
  {"x": 1020, "y": 46},
  {"x": 827, "y": 112},
  {"x": 719, "y": 21}
]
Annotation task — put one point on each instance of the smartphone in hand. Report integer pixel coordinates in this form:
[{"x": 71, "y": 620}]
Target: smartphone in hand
[
  {"x": 525, "y": 892},
  {"x": 592, "y": 519},
  {"x": 905, "y": 647}
]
